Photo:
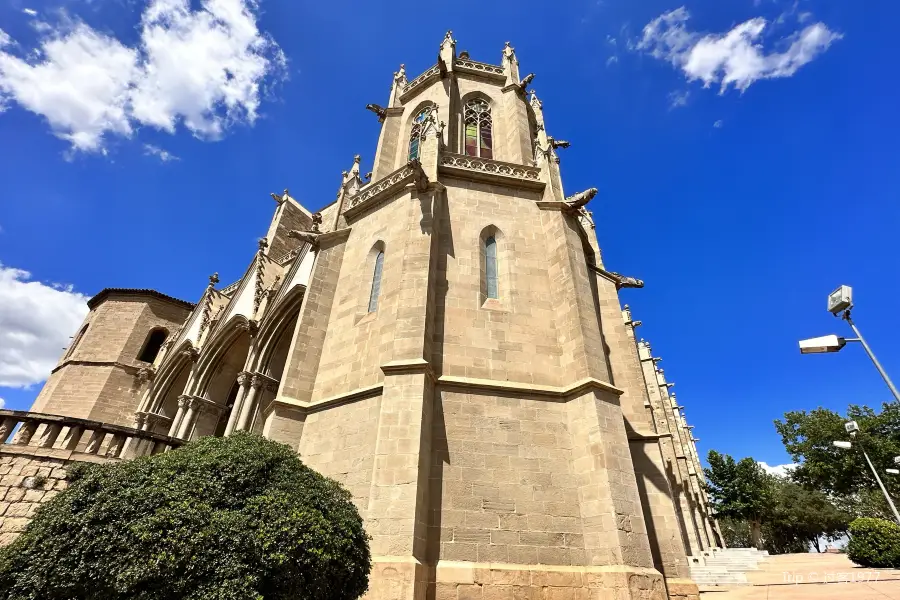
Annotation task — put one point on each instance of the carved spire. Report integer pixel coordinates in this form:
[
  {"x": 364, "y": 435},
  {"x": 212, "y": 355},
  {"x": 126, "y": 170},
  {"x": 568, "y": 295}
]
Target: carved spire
[
  {"x": 510, "y": 65},
  {"x": 397, "y": 86},
  {"x": 207, "y": 305},
  {"x": 447, "y": 53}
]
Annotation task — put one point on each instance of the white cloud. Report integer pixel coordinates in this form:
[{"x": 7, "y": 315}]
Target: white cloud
[
  {"x": 204, "y": 69},
  {"x": 718, "y": 124},
  {"x": 733, "y": 58},
  {"x": 2, "y": 402},
  {"x": 5, "y": 40},
  {"x": 612, "y": 60},
  {"x": 30, "y": 12},
  {"x": 678, "y": 99},
  {"x": 163, "y": 155},
  {"x": 779, "y": 470},
  {"x": 36, "y": 320}
]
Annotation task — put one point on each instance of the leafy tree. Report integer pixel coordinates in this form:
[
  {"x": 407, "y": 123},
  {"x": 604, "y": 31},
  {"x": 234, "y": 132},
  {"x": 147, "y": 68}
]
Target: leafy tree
[
  {"x": 740, "y": 490},
  {"x": 801, "y": 517},
  {"x": 219, "y": 519},
  {"x": 844, "y": 474}
]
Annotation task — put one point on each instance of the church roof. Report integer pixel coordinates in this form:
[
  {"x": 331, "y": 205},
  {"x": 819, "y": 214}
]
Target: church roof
[{"x": 107, "y": 292}]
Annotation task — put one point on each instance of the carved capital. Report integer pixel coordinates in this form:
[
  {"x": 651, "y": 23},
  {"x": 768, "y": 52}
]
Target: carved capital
[
  {"x": 244, "y": 378},
  {"x": 257, "y": 381},
  {"x": 184, "y": 401}
]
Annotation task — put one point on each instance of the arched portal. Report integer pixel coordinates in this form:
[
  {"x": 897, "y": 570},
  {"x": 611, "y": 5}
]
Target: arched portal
[{"x": 221, "y": 387}]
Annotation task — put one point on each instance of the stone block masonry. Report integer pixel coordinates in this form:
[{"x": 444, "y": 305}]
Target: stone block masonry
[{"x": 26, "y": 482}]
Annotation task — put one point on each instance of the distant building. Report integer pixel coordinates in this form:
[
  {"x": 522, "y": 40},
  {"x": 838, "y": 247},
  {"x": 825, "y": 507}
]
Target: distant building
[{"x": 443, "y": 339}]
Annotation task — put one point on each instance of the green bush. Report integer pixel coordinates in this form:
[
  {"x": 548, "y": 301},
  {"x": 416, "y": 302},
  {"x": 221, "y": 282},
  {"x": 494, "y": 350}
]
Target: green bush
[
  {"x": 874, "y": 543},
  {"x": 219, "y": 519}
]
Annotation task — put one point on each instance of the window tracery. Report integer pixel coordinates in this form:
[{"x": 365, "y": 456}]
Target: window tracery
[{"x": 479, "y": 137}]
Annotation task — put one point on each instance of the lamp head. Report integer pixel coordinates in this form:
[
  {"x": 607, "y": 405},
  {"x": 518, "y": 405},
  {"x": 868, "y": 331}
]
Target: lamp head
[
  {"x": 840, "y": 300},
  {"x": 842, "y": 444},
  {"x": 851, "y": 426},
  {"x": 822, "y": 345},
  {"x": 892, "y": 471}
]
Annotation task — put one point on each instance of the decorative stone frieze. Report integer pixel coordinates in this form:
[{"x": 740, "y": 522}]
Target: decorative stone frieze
[
  {"x": 494, "y": 171},
  {"x": 465, "y": 65}
]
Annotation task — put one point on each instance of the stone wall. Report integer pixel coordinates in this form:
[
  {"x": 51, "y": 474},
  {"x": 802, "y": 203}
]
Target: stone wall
[
  {"x": 502, "y": 483},
  {"x": 25, "y": 483}
]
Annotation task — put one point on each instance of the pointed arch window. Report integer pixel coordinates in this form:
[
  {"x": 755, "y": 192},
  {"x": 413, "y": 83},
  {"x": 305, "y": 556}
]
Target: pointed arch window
[
  {"x": 490, "y": 267},
  {"x": 418, "y": 131},
  {"x": 153, "y": 345},
  {"x": 479, "y": 137},
  {"x": 376, "y": 282}
]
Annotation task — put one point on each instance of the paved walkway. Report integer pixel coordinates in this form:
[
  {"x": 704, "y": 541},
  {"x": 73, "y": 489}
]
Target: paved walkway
[{"x": 811, "y": 576}]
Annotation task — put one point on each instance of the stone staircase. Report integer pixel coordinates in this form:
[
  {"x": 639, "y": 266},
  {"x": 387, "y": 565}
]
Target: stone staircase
[{"x": 726, "y": 566}]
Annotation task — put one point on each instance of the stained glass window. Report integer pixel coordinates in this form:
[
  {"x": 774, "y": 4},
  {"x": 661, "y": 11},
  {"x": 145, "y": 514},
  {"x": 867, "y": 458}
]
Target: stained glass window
[
  {"x": 490, "y": 267},
  {"x": 376, "y": 282},
  {"x": 418, "y": 131},
  {"x": 477, "y": 115}
]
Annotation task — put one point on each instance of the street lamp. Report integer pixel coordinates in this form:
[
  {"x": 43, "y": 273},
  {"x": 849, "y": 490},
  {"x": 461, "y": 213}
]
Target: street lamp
[
  {"x": 840, "y": 302},
  {"x": 852, "y": 428}
]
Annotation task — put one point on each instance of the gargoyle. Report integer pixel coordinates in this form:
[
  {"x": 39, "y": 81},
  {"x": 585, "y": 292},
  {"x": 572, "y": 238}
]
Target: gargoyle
[
  {"x": 279, "y": 198},
  {"x": 623, "y": 281},
  {"x": 573, "y": 203},
  {"x": 525, "y": 81},
  {"x": 378, "y": 110},
  {"x": 316, "y": 221},
  {"x": 310, "y": 237},
  {"x": 554, "y": 143}
]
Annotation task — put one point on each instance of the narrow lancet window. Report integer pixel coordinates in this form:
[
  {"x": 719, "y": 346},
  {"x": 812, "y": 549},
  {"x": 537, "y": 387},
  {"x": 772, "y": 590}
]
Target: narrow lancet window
[
  {"x": 376, "y": 282},
  {"x": 417, "y": 133},
  {"x": 479, "y": 141},
  {"x": 490, "y": 267}
]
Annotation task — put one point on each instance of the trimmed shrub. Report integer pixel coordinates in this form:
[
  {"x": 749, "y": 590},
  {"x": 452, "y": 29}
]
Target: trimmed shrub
[
  {"x": 874, "y": 543},
  {"x": 219, "y": 519}
]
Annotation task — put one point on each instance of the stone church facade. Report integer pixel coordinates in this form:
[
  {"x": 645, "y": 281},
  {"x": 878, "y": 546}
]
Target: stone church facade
[{"x": 444, "y": 340}]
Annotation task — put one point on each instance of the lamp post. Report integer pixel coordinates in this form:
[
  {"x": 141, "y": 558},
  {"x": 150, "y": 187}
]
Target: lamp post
[
  {"x": 852, "y": 428},
  {"x": 840, "y": 302}
]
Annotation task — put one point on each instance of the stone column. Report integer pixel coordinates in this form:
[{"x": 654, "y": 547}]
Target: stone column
[
  {"x": 249, "y": 404},
  {"x": 190, "y": 415},
  {"x": 243, "y": 379},
  {"x": 179, "y": 416}
]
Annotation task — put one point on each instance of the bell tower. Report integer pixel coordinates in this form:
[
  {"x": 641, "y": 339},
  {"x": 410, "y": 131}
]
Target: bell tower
[{"x": 460, "y": 362}]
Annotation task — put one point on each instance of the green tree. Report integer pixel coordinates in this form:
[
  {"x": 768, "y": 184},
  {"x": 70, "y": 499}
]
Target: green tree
[
  {"x": 740, "y": 490},
  {"x": 219, "y": 519},
  {"x": 844, "y": 474},
  {"x": 801, "y": 517}
]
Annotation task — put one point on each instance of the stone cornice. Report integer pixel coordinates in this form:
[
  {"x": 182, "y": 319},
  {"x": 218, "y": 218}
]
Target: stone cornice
[
  {"x": 333, "y": 238},
  {"x": 491, "y": 171},
  {"x": 530, "y": 389},
  {"x": 408, "y": 367},
  {"x": 646, "y": 436},
  {"x": 107, "y": 293},
  {"x": 133, "y": 369}
]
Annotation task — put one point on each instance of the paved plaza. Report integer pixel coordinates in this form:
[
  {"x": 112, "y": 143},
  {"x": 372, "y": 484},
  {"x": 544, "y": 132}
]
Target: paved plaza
[{"x": 808, "y": 576}]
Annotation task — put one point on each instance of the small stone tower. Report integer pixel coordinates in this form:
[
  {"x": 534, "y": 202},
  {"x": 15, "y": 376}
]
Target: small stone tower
[{"x": 111, "y": 355}]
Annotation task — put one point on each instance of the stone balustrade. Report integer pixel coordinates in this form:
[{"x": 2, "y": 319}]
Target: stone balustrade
[{"x": 69, "y": 438}]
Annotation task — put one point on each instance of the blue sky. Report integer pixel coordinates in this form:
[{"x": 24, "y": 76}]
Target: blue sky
[{"x": 741, "y": 203}]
